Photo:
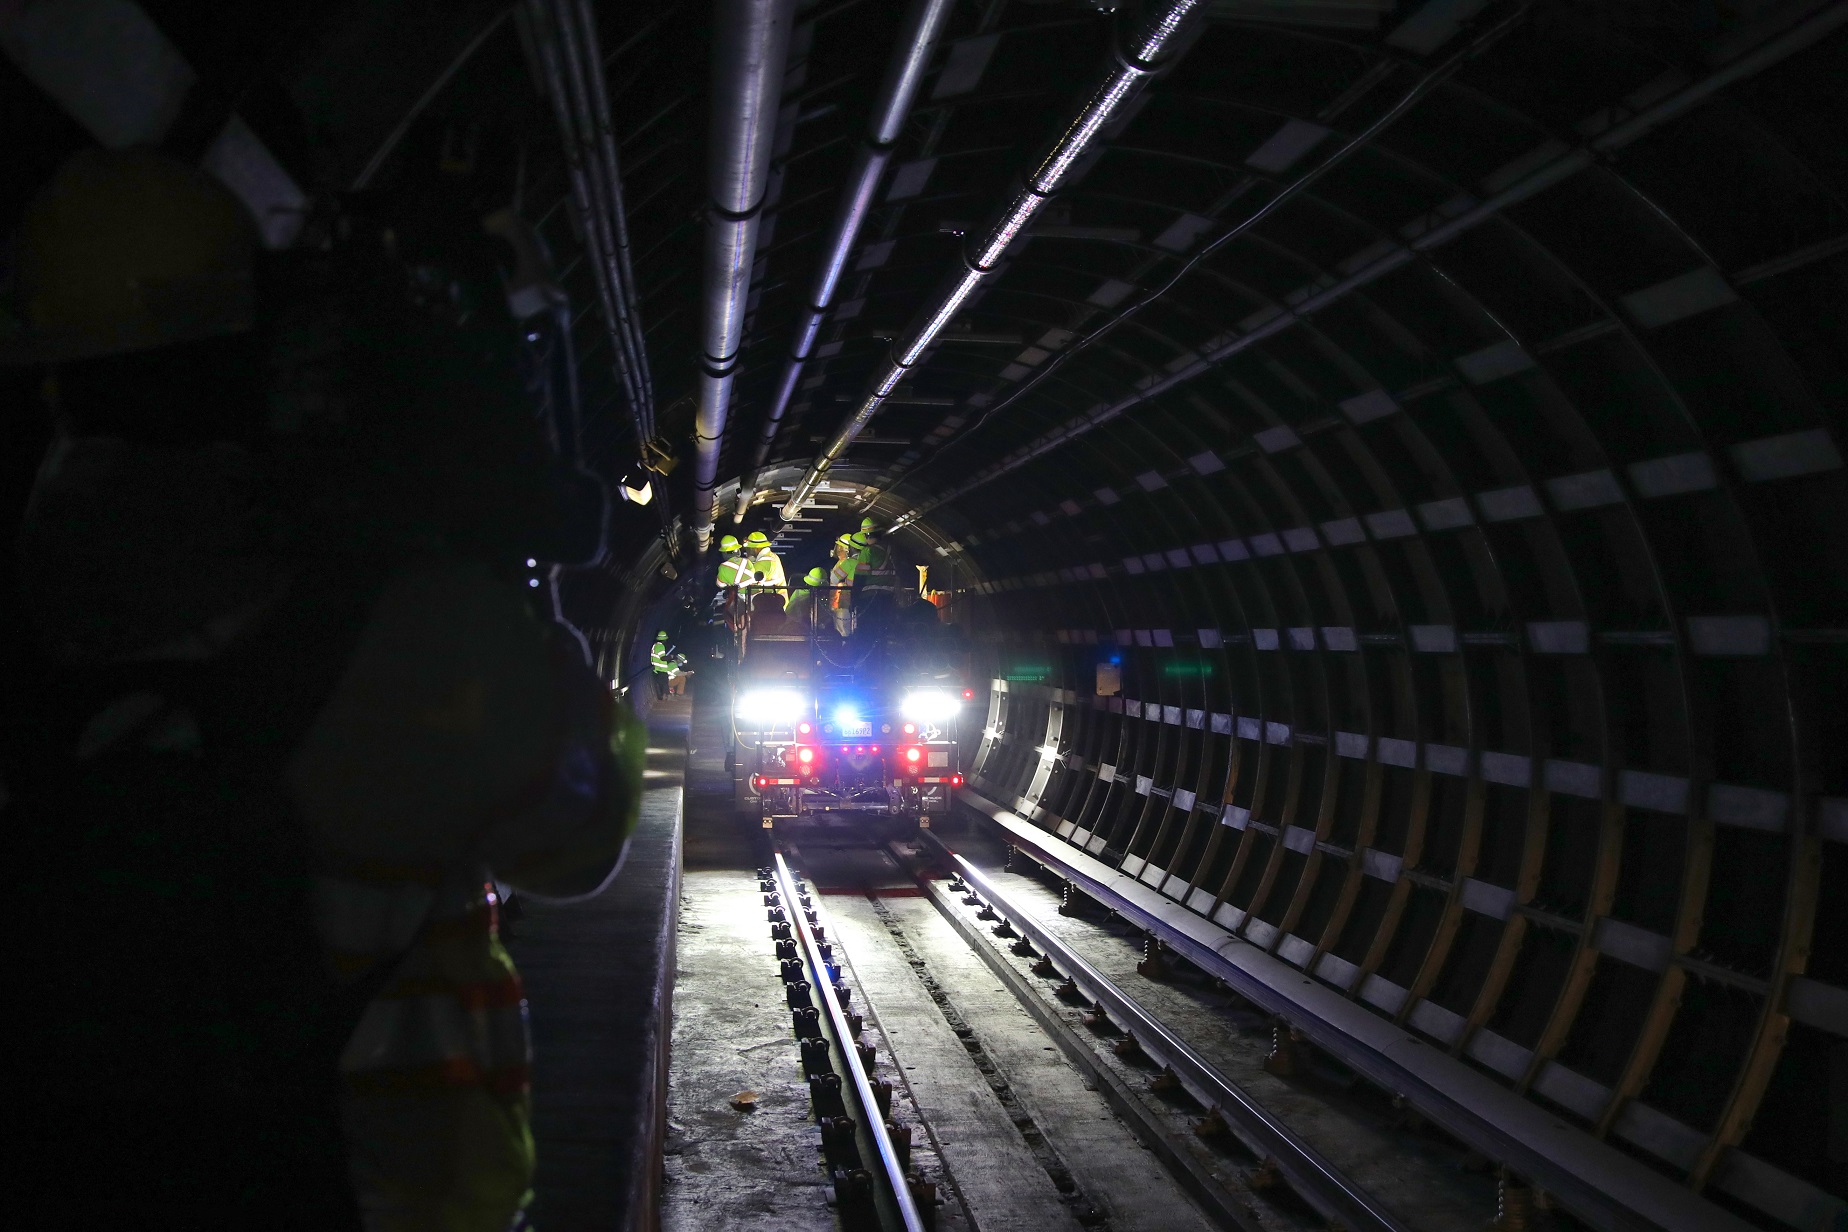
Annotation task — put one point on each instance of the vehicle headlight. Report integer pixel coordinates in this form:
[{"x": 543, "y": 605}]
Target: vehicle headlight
[
  {"x": 770, "y": 707},
  {"x": 929, "y": 705}
]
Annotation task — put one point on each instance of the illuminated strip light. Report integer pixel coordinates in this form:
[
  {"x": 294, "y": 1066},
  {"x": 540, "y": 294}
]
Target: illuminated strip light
[
  {"x": 1126, "y": 77},
  {"x": 1570, "y": 163}
]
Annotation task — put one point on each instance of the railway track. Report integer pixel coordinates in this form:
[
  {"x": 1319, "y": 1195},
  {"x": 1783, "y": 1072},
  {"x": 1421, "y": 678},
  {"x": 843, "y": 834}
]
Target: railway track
[{"x": 1103, "y": 1115}]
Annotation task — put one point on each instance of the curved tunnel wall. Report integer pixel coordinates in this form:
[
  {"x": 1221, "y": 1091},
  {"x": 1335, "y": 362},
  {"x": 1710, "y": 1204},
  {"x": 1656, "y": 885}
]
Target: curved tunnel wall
[{"x": 1481, "y": 636}]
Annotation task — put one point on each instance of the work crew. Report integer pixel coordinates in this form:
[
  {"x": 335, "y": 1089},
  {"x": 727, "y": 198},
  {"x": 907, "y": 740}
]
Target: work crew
[
  {"x": 764, "y": 568},
  {"x": 840, "y": 580},
  {"x": 661, "y": 662},
  {"x": 731, "y": 565},
  {"x": 875, "y": 582},
  {"x": 805, "y": 599},
  {"x": 877, "y": 575},
  {"x": 293, "y": 717}
]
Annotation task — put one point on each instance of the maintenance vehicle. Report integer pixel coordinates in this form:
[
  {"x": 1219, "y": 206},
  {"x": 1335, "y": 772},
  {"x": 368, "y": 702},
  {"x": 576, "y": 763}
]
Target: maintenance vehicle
[{"x": 857, "y": 734}]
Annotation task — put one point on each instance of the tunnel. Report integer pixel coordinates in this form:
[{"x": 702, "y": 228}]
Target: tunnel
[{"x": 1384, "y": 451}]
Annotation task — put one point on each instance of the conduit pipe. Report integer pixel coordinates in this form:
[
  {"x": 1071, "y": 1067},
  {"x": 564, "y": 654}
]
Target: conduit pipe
[
  {"x": 1165, "y": 33},
  {"x": 750, "y": 48},
  {"x": 561, "y": 50},
  {"x": 1803, "y": 35},
  {"x": 911, "y": 56}
]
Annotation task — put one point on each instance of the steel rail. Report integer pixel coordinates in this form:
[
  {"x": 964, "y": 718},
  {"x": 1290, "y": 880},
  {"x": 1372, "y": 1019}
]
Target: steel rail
[
  {"x": 1599, "y": 1184},
  {"x": 1312, "y": 1175},
  {"x": 901, "y": 1211},
  {"x": 1164, "y": 36},
  {"x": 1604, "y": 145}
]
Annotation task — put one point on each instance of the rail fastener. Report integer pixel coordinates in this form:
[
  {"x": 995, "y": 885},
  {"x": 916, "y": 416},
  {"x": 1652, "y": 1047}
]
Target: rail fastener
[{"x": 1307, "y": 1172}]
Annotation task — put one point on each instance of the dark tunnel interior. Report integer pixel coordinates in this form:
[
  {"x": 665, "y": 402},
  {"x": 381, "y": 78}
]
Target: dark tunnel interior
[{"x": 1392, "y": 470}]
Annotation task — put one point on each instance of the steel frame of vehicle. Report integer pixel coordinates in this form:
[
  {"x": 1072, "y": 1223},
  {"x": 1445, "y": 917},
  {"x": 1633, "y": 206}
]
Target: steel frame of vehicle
[{"x": 927, "y": 792}]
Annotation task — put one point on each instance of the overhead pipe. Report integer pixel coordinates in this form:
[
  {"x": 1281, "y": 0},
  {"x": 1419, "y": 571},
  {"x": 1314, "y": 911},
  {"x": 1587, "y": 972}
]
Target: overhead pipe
[
  {"x": 1799, "y": 37},
  {"x": 551, "y": 44},
  {"x": 911, "y": 55},
  {"x": 1154, "y": 45},
  {"x": 750, "y": 50}
]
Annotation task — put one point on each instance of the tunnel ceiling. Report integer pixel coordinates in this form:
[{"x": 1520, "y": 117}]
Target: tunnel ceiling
[{"x": 1431, "y": 409}]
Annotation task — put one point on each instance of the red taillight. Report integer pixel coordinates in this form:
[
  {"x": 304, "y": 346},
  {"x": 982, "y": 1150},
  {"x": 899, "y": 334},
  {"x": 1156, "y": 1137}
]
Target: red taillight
[
  {"x": 968, "y": 695},
  {"x": 875, "y": 748},
  {"x": 956, "y": 780},
  {"x": 761, "y": 781},
  {"x": 805, "y": 755},
  {"x": 914, "y": 757},
  {"x": 804, "y": 727},
  {"x": 911, "y": 729}
]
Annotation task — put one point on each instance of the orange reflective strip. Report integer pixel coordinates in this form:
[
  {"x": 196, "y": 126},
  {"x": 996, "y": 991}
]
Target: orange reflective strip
[{"x": 505, "y": 1080}]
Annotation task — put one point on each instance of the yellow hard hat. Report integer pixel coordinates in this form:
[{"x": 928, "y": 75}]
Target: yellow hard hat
[
  {"x": 728, "y": 544},
  {"x": 128, "y": 251},
  {"x": 812, "y": 577},
  {"x": 868, "y": 526},
  {"x": 757, "y": 541},
  {"x": 859, "y": 539}
]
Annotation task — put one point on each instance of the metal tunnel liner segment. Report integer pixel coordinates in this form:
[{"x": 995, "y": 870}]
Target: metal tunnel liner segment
[
  {"x": 1805, "y": 34},
  {"x": 1595, "y": 1180}
]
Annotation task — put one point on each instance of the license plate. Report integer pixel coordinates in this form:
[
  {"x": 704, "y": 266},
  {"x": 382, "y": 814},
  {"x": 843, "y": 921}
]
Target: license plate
[{"x": 857, "y": 729}]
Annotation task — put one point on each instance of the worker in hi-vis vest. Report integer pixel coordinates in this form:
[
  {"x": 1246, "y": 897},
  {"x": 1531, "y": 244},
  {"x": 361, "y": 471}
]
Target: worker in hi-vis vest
[
  {"x": 763, "y": 567},
  {"x": 663, "y": 664},
  {"x": 840, "y": 579},
  {"x": 731, "y": 566},
  {"x": 803, "y": 599}
]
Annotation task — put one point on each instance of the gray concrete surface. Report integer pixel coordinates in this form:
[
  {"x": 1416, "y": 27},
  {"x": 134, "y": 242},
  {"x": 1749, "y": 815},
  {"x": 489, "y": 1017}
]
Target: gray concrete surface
[
  {"x": 728, "y": 1168},
  {"x": 1431, "y": 1185},
  {"x": 1119, "y": 1182}
]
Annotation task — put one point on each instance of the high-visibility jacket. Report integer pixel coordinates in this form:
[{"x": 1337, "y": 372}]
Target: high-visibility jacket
[
  {"x": 841, "y": 579},
  {"x": 768, "y": 563},
  {"x": 874, "y": 571},
  {"x": 660, "y": 660},
  {"x": 801, "y": 604},
  {"x": 732, "y": 571},
  {"x": 461, "y": 744}
]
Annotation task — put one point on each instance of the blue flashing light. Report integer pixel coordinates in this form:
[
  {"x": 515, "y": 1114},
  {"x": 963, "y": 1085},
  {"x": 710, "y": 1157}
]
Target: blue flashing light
[{"x": 846, "y": 715}]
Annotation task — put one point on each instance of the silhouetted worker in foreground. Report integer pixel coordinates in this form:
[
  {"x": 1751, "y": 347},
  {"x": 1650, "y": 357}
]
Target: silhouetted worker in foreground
[{"x": 295, "y": 711}]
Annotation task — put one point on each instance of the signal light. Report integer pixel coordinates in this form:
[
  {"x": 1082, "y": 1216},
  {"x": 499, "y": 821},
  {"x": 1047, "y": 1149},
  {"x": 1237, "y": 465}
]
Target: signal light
[
  {"x": 804, "y": 727},
  {"x": 914, "y": 757},
  {"x": 761, "y": 781},
  {"x": 911, "y": 729},
  {"x": 956, "y": 780},
  {"x": 968, "y": 695},
  {"x": 805, "y": 754}
]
